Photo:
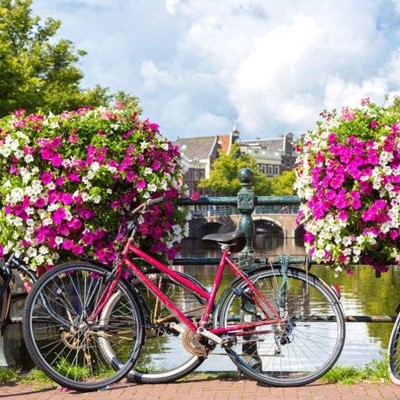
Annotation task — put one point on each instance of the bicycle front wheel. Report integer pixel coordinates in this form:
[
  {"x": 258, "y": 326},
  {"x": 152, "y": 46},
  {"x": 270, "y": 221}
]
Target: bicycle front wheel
[
  {"x": 305, "y": 342},
  {"x": 63, "y": 340},
  {"x": 394, "y": 352}
]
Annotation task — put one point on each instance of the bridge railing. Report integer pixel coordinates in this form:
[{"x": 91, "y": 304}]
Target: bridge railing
[
  {"x": 244, "y": 204},
  {"x": 202, "y": 211}
]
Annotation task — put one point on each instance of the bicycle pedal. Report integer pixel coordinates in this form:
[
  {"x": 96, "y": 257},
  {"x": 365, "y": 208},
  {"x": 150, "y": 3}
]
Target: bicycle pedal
[{"x": 176, "y": 327}]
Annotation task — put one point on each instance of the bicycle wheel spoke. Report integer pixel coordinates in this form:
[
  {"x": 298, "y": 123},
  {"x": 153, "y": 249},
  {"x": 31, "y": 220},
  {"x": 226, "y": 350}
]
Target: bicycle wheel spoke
[
  {"x": 62, "y": 339},
  {"x": 163, "y": 357},
  {"x": 299, "y": 347}
]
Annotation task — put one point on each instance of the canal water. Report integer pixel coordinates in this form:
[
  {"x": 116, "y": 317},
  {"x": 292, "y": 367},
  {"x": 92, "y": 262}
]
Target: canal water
[{"x": 362, "y": 294}]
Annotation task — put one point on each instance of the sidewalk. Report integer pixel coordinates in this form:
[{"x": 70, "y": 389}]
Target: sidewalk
[{"x": 208, "y": 389}]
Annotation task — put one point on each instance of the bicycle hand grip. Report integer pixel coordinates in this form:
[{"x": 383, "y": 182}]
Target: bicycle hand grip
[{"x": 151, "y": 202}]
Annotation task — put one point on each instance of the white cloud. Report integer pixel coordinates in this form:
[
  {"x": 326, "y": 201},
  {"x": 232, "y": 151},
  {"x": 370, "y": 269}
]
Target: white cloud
[
  {"x": 199, "y": 67},
  {"x": 338, "y": 92},
  {"x": 208, "y": 123},
  {"x": 184, "y": 120},
  {"x": 153, "y": 77},
  {"x": 262, "y": 81},
  {"x": 171, "y": 6}
]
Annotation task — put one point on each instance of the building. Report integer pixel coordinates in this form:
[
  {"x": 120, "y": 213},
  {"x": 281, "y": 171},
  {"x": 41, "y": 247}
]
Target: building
[
  {"x": 200, "y": 153},
  {"x": 273, "y": 155}
]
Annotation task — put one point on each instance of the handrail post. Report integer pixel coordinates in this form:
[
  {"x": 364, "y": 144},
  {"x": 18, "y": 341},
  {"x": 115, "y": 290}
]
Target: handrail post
[{"x": 245, "y": 205}]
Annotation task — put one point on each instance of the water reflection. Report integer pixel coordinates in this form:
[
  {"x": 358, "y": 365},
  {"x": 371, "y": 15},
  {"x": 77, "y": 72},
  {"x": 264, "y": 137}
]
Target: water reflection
[{"x": 363, "y": 293}]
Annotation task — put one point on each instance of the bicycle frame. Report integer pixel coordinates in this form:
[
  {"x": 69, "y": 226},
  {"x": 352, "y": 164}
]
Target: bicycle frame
[
  {"x": 6, "y": 275},
  {"x": 271, "y": 313}
]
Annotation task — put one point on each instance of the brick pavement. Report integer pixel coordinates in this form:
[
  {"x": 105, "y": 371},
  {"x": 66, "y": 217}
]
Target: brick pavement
[{"x": 208, "y": 389}]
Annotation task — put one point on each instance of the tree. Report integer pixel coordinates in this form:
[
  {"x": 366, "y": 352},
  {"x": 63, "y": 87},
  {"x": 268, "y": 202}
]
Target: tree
[
  {"x": 127, "y": 99},
  {"x": 37, "y": 72},
  {"x": 283, "y": 184},
  {"x": 224, "y": 179},
  {"x": 395, "y": 107}
]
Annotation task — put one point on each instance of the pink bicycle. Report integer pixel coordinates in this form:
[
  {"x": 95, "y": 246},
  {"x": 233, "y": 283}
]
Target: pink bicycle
[{"x": 87, "y": 325}]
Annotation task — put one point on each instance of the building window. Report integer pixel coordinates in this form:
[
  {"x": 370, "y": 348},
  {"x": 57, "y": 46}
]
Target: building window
[
  {"x": 276, "y": 170},
  {"x": 269, "y": 169}
]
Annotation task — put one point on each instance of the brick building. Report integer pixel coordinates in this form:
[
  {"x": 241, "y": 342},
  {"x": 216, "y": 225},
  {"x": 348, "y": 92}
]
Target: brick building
[{"x": 273, "y": 156}]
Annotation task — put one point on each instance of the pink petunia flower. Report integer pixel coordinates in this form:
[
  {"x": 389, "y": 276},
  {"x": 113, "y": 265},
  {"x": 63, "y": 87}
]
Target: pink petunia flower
[
  {"x": 195, "y": 196},
  {"x": 56, "y": 160},
  {"x": 46, "y": 178},
  {"x": 58, "y": 215}
]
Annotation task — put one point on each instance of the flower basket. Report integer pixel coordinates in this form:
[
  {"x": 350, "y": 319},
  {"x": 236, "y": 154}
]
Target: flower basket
[
  {"x": 348, "y": 176},
  {"x": 67, "y": 183}
]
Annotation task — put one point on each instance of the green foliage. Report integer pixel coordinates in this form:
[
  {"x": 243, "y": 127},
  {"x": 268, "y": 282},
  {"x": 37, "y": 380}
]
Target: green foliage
[
  {"x": 7, "y": 375},
  {"x": 37, "y": 72},
  {"x": 80, "y": 373},
  {"x": 36, "y": 376},
  {"x": 224, "y": 179},
  {"x": 127, "y": 99},
  {"x": 375, "y": 371},
  {"x": 340, "y": 374},
  {"x": 283, "y": 184}
]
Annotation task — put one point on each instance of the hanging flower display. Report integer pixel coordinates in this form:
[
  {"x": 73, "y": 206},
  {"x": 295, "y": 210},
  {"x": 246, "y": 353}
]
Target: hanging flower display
[
  {"x": 67, "y": 183},
  {"x": 348, "y": 176}
]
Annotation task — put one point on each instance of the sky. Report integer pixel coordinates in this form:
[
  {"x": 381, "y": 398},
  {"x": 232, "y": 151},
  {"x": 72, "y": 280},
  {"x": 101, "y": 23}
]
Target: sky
[{"x": 263, "y": 67}]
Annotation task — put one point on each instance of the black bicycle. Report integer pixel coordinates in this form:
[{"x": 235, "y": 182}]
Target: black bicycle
[{"x": 13, "y": 263}]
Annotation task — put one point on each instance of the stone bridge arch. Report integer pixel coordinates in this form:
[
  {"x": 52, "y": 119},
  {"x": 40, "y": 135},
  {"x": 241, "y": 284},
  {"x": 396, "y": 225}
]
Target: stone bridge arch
[
  {"x": 268, "y": 225},
  {"x": 284, "y": 223},
  {"x": 199, "y": 227},
  {"x": 299, "y": 235}
]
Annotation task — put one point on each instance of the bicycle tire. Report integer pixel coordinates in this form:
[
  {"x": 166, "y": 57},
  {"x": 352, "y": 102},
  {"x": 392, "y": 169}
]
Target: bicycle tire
[
  {"x": 163, "y": 357},
  {"x": 394, "y": 352},
  {"x": 300, "y": 349},
  {"x": 63, "y": 342}
]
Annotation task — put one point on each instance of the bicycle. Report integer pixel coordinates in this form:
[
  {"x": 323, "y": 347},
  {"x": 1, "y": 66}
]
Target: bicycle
[
  {"x": 280, "y": 325},
  {"x": 394, "y": 350},
  {"x": 6, "y": 277}
]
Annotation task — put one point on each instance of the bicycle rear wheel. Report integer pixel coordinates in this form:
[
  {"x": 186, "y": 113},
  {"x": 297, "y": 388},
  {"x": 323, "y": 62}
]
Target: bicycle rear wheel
[
  {"x": 62, "y": 339},
  {"x": 163, "y": 357},
  {"x": 394, "y": 352},
  {"x": 297, "y": 350}
]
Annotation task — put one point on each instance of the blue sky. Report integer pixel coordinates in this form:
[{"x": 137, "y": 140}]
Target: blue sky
[{"x": 266, "y": 67}]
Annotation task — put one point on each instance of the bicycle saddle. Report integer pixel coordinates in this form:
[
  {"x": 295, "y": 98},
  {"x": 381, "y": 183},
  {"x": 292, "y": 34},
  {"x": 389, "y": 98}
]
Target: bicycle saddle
[{"x": 236, "y": 240}]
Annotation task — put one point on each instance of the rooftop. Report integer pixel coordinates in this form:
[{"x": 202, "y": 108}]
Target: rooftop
[{"x": 197, "y": 148}]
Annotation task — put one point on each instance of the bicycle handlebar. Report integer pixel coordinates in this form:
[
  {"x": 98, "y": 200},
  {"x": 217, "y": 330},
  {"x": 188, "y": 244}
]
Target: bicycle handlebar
[
  {"x": 151, "y": 202},
  {"x": 148, "y": 203}
]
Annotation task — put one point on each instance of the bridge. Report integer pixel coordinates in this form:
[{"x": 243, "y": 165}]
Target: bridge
[{"x": 280, "y": 221}]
